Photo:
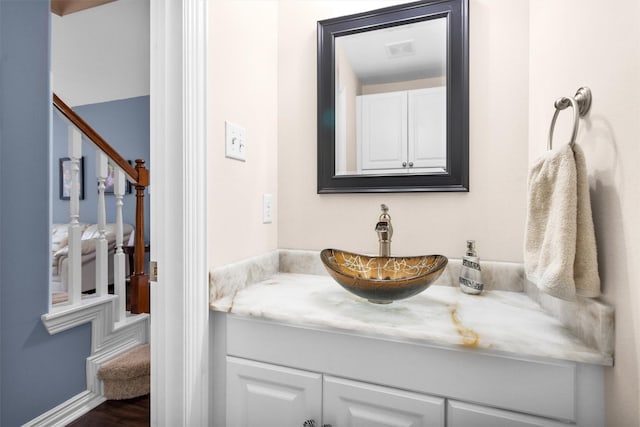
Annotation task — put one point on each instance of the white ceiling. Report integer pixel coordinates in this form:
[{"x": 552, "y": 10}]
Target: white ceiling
[
  {"x": 368, "y": 53},
  {"x": 101, "y": 54}
]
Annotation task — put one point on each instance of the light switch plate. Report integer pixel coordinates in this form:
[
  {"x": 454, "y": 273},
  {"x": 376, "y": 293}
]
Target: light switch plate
[{"x": 236, "y": 141}]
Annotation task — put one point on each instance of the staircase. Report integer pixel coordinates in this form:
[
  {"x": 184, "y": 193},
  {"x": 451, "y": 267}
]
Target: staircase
[
  {"x": 126, "y": 375},
  {"x": 118, "y": 366},
  {"x": 138, "y": 176}
]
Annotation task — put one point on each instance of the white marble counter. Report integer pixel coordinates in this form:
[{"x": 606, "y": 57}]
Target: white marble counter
[{"x": 503, "y": 322}]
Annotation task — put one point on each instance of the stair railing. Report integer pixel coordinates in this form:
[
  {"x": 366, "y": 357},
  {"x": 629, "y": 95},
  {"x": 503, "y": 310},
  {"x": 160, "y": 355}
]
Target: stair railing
[{"x": 138, "y": 176}]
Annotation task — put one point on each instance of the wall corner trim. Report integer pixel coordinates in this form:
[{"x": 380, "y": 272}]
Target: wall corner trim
[{"x": 180, "y": 329}]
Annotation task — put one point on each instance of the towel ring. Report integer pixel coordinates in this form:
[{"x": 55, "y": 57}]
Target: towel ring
[{"x": 581, "y": 103}]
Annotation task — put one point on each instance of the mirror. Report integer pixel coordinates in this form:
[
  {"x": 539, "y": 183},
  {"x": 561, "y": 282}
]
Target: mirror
[{"x": 393, "y": 99}]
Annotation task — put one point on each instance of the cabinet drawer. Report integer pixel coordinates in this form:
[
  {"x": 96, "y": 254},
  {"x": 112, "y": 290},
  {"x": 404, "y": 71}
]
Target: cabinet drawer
[
  {"x": 464, "y": 415},
  {"x": 352, "y": 403}
]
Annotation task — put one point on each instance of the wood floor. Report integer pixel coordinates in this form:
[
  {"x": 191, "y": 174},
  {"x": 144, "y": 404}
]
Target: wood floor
[{"x": 131, "y": 413}]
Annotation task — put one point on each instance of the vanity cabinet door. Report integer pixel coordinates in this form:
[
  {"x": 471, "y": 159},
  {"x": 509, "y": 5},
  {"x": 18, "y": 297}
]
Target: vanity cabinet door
[
  {"x": 264, "y": 395},
  {"x": 382, "y": 130},
  {"x": 465, "y": 414},
  {"x": 350, "y": 403},
  {"x": 428, "y": 127}
]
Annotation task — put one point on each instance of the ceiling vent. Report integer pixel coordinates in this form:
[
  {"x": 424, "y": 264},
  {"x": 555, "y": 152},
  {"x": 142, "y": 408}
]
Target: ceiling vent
[{"x": 398, "y": 49}]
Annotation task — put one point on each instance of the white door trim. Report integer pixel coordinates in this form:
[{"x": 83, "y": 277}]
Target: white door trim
[{"x": 179, "y": 299}]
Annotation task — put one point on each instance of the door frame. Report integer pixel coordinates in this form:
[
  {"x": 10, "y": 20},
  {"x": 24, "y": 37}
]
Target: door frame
[{"x": 178, "y": 160}]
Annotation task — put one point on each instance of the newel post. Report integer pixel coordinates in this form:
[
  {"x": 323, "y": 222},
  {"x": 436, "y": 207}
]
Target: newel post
[{"x": 139, "y": 280}]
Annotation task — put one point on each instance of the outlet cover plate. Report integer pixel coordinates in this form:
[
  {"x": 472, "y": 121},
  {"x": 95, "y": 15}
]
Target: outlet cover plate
[{"x": 267, "y": 208}]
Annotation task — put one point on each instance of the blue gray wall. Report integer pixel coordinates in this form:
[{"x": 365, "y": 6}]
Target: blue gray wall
[
  {"x": 124, "y": 124},
  {"x": 37, "y": 371}
]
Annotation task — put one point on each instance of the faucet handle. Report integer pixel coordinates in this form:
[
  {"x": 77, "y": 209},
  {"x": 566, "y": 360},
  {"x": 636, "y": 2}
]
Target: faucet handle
[{"x": 384, "y": 216}]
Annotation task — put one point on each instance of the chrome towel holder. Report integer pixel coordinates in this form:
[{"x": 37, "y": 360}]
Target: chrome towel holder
[{"x": 581, "y": 103}]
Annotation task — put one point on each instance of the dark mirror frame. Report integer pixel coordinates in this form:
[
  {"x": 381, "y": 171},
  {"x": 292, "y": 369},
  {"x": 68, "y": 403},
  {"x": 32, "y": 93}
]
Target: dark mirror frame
[{"x": 457, "y": 176}]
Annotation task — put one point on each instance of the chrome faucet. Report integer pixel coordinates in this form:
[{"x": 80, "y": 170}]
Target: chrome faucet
[{"x": 385, "y": 231}]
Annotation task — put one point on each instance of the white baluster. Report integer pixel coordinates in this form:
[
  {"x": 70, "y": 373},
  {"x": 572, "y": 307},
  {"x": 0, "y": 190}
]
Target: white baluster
[
  {"x": 102, "y": 261},
  {"x": 118, "y": 259},
  {"x": 75, "y": 243}
]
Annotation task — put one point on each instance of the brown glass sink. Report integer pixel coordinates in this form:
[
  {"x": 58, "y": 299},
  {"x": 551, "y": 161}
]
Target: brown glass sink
[{"x": 382, "y": 280}]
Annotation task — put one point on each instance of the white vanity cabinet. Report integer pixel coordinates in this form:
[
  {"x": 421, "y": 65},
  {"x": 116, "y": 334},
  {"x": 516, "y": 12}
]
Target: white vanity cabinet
[
  {"x": 402, "y": 131},
  {"x": 269, "y": 373}
]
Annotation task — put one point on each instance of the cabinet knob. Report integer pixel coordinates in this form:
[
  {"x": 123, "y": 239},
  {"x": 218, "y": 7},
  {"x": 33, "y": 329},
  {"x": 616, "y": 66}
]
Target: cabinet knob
[
  {"x": 404, "y": 164},
  {"x": 410, "y": 164}
]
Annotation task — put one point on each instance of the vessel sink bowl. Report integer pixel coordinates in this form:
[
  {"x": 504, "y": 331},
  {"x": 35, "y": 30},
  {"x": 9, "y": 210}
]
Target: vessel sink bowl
[{"x": 383, "y": 280}]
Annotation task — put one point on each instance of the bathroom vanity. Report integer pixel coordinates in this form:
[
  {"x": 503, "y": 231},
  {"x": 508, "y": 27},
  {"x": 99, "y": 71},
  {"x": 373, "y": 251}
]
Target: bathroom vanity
[{"x": 289, "y": 345}]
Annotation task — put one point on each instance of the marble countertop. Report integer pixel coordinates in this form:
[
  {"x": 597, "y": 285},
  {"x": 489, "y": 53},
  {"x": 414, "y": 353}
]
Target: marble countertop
[{"x": 502, "y": 322}]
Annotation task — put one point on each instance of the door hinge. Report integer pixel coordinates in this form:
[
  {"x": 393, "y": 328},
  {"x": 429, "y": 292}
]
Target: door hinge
[{"x": 153, "y": 271}]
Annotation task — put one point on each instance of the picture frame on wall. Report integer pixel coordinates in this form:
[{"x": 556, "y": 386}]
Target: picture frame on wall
[
  {"x": 111, "y": 179},
  {"x": 65, "y": 178}
]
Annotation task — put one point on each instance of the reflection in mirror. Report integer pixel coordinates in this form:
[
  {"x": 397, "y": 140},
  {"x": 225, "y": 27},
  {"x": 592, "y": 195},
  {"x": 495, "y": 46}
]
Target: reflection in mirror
[
  {"x": 393, "y": 99},
  {"x": 390, "y": 100}
]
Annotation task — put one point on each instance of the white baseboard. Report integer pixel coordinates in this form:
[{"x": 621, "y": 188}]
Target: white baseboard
[{"x": 68, "y": 411}]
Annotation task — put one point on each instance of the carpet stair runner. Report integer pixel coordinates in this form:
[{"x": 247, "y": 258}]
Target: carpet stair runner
[{"x": 127, "y": 375}]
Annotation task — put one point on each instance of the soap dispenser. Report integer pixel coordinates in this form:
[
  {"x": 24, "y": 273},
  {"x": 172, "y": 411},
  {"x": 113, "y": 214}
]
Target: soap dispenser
[{"x": 470, "y": 275}]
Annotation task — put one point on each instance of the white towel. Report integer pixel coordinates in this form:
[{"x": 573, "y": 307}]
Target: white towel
[{"x": 560, "y": 254}]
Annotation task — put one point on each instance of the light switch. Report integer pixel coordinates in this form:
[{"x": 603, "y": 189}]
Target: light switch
[{"x": 236, "y": 141}]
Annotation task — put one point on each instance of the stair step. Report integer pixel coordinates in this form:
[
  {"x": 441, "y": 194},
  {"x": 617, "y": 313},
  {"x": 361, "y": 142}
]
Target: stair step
[{"x": 127, "y": 375}]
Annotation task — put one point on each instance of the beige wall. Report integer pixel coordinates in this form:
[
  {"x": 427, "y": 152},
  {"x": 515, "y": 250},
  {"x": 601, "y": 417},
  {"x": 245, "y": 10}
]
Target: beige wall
[
  {"x": 583, "y": 42},
  {"x": 491, "y": 213},
  {"x": 242, "y": 89}
]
